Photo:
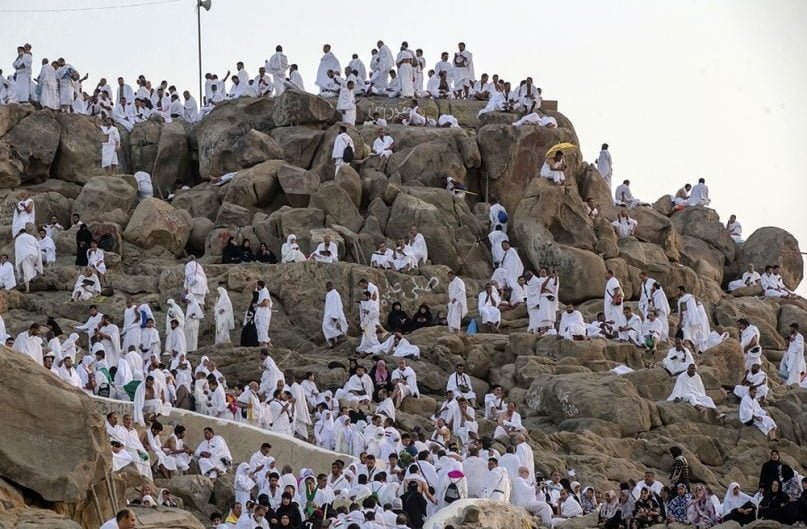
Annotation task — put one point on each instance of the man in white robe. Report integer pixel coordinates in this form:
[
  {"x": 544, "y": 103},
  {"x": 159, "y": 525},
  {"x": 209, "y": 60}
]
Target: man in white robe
[
  {"x": 678, "y": 359},
  {"x": 459, "y": 384},
  {"x": 496, "y": 238},
  {"x": 379, "y": 78},
  {"x": 383, "y": 145},
  {"x": 735, "y": 229},
  {"x": 213, "y": 455},
  {"x": 750, "y": 278},
  {"x": 49, "y": 96},
  {"x": 548, "y": 288},
  {"x": 692, "y": 323},
  {"x": 326, "y": 63},
  {"x": 646, "y": 293},
  {"x": 793, "y": 366},
  {"x": 225, "y": 321},
  {"x": 22, "y": 71},
  {"x": 28, "y": 258},
  {"x": 190, "y": 108},
  {"x": 382, "y": 257},
  {"x": 751, "y": 413},
  {"x": 87, "y": 286},
  {"x": 195, "y": 283},
  {"x": 30, "y": 343},
  {"x": 175, "y": 343},
  {"x": 524, "y": 495},
  {"x": 496, "y": 485},
  {"x": 612, "y": 298},
  {"x": 652, "y": 331},
  {"x": 358, "y": 388},
  {"x": 462, "y": 73},
  {"x": 572, "y": 326},
  {"x": 406, "y": 73},
  {"x": 346, "y": 102},
  {"x": 7, "y": 278},
  {"x": 756, "y": 379},
  {"x": 488, "y": 306},
  {"x": 193, "y": 315},
  {"x": 369, "y": 322},
  {"x": 457, "y": 302},
  {"x": 24, "y": 213},
  {"x": 405, "y": 382},
  {"x": 263, "y": 313},
  {"x": 149, "y": 341},
  {"x": 689, "y": 388},
  {"x": 661, "y": 305},
  {"x": 109, "y": 334},
  {"x": 334, "y": 323},
  {"x": 398, "y": 346},
  {"x": 418, "y": 244},
  {"x": 624, "y": 197},
  {"x": 699, "y": 195},
  {"x": 510, "y": 267},
  {"x": 340, "y": 143},
  {"x": 605, "y": 165},
  {"x": 532, "y": 290},
  {"x": 277, "y": 65},
  {"x": 357, "y": 66},
  {"x": 749, "y": 343}
]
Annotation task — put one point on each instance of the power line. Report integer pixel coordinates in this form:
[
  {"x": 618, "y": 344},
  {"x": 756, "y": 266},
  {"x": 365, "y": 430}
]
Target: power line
[{"x": 99, "y": 8}]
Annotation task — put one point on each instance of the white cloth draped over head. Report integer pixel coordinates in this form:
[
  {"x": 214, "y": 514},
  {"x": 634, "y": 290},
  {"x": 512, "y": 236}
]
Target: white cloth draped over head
[
  {"x": 290, "y": 251},
  {"x": 690, "y": 389},
  {"x": 174, "y": 312},
  {"x": 457, "y": 303},
  {"x": 334, "y": 322},
  {"x": 196, "y": 280},
  {"x": 225, "y": 320},
  {"x": 27, "y": 256},
  {"x": 732, "y": 501}
]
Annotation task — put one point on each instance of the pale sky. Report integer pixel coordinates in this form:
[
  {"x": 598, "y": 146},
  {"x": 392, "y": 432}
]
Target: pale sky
[{"x": 679, "y": 89}]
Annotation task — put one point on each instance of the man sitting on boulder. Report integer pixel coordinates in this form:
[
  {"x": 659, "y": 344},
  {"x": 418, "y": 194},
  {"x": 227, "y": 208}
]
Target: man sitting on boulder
[{"x": 689, "y": 388}]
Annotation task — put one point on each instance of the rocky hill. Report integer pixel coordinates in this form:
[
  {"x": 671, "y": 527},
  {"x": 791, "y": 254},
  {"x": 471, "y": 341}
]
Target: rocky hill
[{"x": 579, "y": 414}]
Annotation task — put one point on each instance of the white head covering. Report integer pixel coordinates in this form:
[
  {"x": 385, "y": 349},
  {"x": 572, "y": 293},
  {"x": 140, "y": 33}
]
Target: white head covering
[
  {"x": 731, "y": 502},
  {"x": 174, "y": 312}
]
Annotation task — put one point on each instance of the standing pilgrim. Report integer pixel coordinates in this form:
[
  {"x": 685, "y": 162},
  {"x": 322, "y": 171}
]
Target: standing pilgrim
[
  {"x": 24, "y": 213},
  {"x": 195, "y": 281},
  {"x": 327, "y": 63},
  {"x": 193, "y": 315},
  {"x": 28, "y": 257},
  {"x": 49, "y": 98},
  {"x": 277, "y": 65},
  {"x": 612, "y": 298},
  {"x": 343, "y": 149},
  {"x": 334, "y": 323},
  {"x": 109, "y": 147},
  {"x": 457, "y": 302},
  {"x": 605, "y": 165},
  {"x": 463, "y": 72},
  {"x": 263, "y": 314},
  {"x": 225, "y": 321}
]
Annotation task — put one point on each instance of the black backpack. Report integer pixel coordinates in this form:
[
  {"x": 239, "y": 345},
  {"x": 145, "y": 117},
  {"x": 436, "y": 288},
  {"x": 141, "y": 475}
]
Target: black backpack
[
  {"x": 452, "y": 493},
  {"x": 347, "y": 154}
]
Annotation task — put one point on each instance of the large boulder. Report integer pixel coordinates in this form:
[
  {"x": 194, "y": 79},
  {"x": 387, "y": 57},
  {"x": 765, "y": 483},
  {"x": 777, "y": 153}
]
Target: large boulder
[
  {"x": 256, "y": 147},
  {"x": 430, "y": 163},
  {"x": 339, "y": 208},
  {"x": 705, "y": 259},
  {"x": 446, "y": 222},
  {"x": 10, "y": 115},
  {"x": 299, "y": 144},
  {"x": 609, "y": 398},
  {"x": 144, "y": 142},
  {"x": 79, "y": 149},
  {"x": 512, "y": 157},
  {"x": 33, "y": 424},
  {"x": 11, "y": 168},
  {"x": 165, "y": 518},
  {"x": 760, "y": 312},
  {"x": 298, "y": 184},
  {"x": 254, "y": 187},
  {"x": 653, "y": 227},
  {"x": 296, "y": 107},
  {"x": 704, "y": 223},
  {"x": 221, "y": 133},
  {"x": 173, "y": 159},
  {"x": 34, "y": 141},
  {"x": 559, "y": 210},
  {"x": 200, "y": 201},
  {"x": 102, "y": 194},
  {"x": 159, "y": 226},
  {"x": 771, "y": 246}
]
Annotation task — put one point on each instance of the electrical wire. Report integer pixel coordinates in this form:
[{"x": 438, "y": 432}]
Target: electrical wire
[{"x": 99, "y": 8}]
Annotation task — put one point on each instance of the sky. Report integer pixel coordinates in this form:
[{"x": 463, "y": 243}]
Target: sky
[{"x": 679, "y": 89}]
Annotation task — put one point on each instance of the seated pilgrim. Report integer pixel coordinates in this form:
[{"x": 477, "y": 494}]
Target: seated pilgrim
[{"x": 326, "y": 251}]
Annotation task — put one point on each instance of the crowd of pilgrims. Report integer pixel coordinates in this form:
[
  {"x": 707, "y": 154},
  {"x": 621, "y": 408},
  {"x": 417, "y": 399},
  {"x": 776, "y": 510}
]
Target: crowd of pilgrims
[{"x": 58, "y": 85}]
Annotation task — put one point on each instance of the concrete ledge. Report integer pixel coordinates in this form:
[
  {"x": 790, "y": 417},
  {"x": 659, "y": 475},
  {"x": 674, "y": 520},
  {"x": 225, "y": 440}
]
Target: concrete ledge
[{"x": 243, "y": 439}]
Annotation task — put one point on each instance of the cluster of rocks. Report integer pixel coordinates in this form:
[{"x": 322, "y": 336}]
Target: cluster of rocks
[{"x": 579, "y": 414}]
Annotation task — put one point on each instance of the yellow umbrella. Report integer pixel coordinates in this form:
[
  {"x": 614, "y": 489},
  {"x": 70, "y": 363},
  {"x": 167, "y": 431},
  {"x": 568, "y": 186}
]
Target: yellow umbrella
[{"x": 565, "y": 147}]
